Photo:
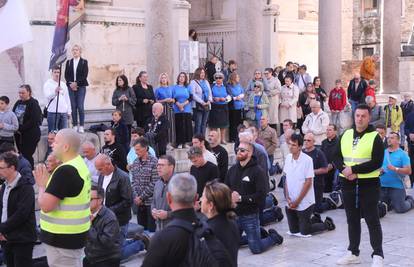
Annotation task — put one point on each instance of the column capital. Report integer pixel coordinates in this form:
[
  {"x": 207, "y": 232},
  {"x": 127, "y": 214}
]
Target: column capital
[
  {"x": 271, "y": 10},
  {"x": 181, "y": 4}
]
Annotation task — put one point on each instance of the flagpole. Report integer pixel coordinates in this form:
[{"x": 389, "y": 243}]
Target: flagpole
[{"x": 57, "y": 98}]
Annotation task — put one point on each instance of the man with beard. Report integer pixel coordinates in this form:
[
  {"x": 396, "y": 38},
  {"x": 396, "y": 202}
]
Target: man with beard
[
  {"x": 114, "y": 150},
  {"x": 246, "y": 180}
]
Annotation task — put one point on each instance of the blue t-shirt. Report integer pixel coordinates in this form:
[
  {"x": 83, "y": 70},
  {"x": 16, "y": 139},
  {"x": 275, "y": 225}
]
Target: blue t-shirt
[
  {"x": 399, "y": 159},
  {"x": 206, "y": 89},
  {"x": 219, "y": 91},
  {"x": 236, "y": 90},
  {"x": 163, "y": 92},
  {"x": 181, "y": 94},
  {"x": 257, "y": 100}
]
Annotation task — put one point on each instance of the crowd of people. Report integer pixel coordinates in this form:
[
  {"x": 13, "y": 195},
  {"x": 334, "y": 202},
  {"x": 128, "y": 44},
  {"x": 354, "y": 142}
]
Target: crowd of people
[{"x": 340, "y": 149}]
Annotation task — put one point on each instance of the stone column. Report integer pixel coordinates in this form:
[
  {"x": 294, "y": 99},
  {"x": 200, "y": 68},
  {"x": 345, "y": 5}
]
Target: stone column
[
  {"x": 249, "y": 38},
  {"x": 270, "y": 28},
  {"x": 179, "y": 27},
  {"x": 329, "y": 42},
  {"x": 391, "y": 45},
  {"x": 158, "y": 39}
]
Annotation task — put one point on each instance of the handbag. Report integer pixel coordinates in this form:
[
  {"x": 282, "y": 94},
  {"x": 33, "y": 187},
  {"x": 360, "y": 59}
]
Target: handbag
[{"x": 46, "y": 107}]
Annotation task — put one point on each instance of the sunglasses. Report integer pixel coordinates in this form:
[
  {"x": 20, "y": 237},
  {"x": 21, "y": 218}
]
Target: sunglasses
[
  {"x": 242, "y": 150},
  {"x": 219, "y": 78}
]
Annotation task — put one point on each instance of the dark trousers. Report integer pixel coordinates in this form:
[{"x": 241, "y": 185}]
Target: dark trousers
[
  {"x": 145, "y": 218},
  {"x": 235, "y": 119},
  {"x": 77, "y": 100},
  {"x": 18, "y": 255},
  {"x": 411, "y": 154},
  {"x": 368, "y": 196},
  {"x": 300, "y": 221},
  {"x": 27, "y": 143},
  {"x": 107, "y": 263},
  {"x": 318, "y": 187}
]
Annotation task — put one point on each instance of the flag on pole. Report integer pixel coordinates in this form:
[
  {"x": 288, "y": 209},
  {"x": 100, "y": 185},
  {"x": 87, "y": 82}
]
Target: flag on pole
[
  {"x": 14, "y": 24},
  {"x": 61, "y": 36}
]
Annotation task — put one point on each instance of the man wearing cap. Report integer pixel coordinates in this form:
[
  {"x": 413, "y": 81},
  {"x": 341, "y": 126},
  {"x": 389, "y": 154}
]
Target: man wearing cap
[
  {"x": 302, "y": 78},
  {"x": 393, "y": 115}
]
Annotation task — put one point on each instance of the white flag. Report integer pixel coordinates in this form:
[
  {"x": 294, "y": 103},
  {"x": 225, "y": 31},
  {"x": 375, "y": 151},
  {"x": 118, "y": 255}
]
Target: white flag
[{"x": 14, "y": 24}]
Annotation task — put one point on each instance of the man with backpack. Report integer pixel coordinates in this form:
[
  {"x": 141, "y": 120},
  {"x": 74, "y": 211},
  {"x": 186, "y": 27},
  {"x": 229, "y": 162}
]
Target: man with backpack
[{"x": 185, "y": 241}]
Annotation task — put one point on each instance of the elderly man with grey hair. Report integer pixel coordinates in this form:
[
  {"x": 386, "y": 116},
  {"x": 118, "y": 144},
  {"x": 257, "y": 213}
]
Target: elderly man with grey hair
[
  {"x": 377, "y": 112},
  {"x": 88, "y": 151},
  {"x": 316, "y": 123},
  {"x": 169, "y": 246}
]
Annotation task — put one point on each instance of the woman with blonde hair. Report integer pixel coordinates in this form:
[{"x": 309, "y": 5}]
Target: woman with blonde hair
[
  {"x": 164, "y": 95},
  {"x": 216, "y": 205},
  {"x": 236, "y": 106}
]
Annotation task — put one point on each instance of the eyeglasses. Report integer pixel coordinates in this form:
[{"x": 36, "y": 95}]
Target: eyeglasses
[
  {"x": 312, "y": 98},
  {"x": 219, "y": 78},
  {"x": 242, "y": 150}
]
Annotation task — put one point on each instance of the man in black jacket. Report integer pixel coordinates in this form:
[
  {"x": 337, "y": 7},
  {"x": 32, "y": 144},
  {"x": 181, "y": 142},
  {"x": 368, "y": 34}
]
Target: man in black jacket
[
  {"x": 247, "y": 181},
  {"x": 356, "y": 91},
  {"x": 328, "y": 147},
  {"x": 219, "y": 152},
  {"x": 169, "y": 246},
  {"x": 157, "y": 130},
  {"x": 18, "y": 222},
  {"x": 118, "y": 192},
  {"x": 114, "y": 150},
  {"x": 76, "y": 74},
  {"x": 102, "y": 246}
]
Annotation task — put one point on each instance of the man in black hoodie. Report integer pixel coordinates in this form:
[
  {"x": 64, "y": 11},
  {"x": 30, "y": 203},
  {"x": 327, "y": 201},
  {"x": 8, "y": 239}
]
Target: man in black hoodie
[
  {"x": 114, "y": 150},
  {"x": 247, "y": 181},
  {"x": 18, "y": 222}
]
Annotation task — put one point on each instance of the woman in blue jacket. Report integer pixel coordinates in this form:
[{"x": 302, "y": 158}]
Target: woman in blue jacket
[
  {"x": 236, "y": 106},
  {"x": 182, "y": 110}
]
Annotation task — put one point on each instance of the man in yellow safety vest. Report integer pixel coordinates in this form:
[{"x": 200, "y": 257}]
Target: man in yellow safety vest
[
  {"x": 64, "y": 198},
  {"x": 359, "y": 159}
]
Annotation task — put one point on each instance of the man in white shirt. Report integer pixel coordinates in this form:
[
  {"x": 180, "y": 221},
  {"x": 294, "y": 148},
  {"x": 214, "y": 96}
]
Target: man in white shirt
[
  {"x": 89, "y": 156},
  {"x": 55, "y": 92},
  {"x": 299, "y": 192},
  {"x": 316, "y": 123},
  {"x": 199, "y": 141}
]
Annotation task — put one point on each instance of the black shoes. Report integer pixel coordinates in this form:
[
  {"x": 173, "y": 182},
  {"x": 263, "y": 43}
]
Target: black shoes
[
  {"x": 329, "y": 224},
  {"x": 275, "y": 236}
]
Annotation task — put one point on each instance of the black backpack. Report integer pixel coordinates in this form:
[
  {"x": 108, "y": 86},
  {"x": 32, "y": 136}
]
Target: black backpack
[{"x": 204, "y": 249}]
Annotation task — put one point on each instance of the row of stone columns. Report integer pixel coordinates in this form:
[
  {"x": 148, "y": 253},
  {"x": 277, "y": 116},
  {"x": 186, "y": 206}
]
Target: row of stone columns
[{"x": 166, "y": 23}]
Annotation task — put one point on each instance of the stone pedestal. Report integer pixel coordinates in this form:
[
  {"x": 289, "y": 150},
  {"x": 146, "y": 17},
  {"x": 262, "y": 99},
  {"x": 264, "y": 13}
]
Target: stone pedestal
[
  {"x": 391, "y": 49},
  {"x": 329, "y": 42},
  {"x": 406, "y": 74},
  {"x": 179, "y": 29},
  {"x": 270, "y": 42},
  {"x": 249, "y": 38}
]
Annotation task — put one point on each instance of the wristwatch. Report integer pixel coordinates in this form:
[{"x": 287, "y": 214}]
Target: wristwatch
[
  {"x": 239, "y": 199},
  {"x": 396, "y": 169}
]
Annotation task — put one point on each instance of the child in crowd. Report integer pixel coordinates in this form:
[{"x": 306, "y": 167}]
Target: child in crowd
[
  {"x": 8, "y": 122},
  {"x": 121, "y": 129}
]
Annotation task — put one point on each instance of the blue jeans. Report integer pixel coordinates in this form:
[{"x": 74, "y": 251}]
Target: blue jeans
[
  {"x": 396, "y": 198},
  {"x": 354, "y": 105},
  {"x": 128, "y": 247},
  {"x": 250, "y": 225},
  {"x": 77, "y": 99},
  {"x": 61, "y": 123},
  {"x": 200, "y": 121}
]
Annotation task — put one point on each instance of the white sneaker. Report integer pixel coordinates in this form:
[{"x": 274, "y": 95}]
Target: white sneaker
[
  {"x": 75, "y": 128},
  {"x": 81, "y": 130},
  {"x": 377, "y": 261},
  {"x": 349, "y": 258}
]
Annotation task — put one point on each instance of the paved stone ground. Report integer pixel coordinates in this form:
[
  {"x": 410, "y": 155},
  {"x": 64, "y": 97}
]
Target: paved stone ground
[{"x": 324, "y": 249}]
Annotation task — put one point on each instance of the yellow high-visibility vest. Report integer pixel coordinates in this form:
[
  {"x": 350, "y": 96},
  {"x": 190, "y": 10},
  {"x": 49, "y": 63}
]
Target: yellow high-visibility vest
[
  {"x": 72, "y": 215},
  {"x": 358, "y": 153}
]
